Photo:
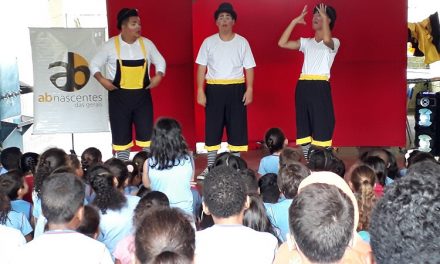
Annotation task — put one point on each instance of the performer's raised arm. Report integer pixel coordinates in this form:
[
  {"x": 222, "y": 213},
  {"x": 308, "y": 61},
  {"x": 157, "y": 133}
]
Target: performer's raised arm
[{"x": 284, "y": 41}]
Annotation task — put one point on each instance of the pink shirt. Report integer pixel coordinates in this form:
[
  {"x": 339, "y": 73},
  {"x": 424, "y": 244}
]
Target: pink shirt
[{"x": 125, "y": 250}]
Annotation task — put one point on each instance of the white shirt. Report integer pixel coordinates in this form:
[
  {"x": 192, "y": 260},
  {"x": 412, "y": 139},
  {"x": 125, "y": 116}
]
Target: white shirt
[
  {"x": 234, "y": 244},
  {"x": 108, "y": 57},
  {"x": 318, "y": 58},
  {"x": 225, "y": 60},
  {"x": 10, "y": 242},
  {"x": 64, "y": 247}
]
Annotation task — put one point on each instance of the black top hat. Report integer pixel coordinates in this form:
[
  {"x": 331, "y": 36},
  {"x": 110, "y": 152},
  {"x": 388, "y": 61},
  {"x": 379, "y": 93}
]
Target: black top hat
[
  {"x": 225, "y": 8},
  {"x": 125, "y": 13}
]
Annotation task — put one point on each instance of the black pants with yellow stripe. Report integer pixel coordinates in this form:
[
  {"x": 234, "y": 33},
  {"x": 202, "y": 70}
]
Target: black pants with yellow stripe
[
  {"x": 315, "y": 119},
  {"x": 128, "y": 107},
  {"x": 225, "y": 108}
]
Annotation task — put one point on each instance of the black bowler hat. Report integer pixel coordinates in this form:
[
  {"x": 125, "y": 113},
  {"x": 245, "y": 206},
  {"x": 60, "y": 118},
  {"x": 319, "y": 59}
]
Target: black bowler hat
[
  {"x": 125, "y": 13},
  {"x": 225, "y": 8}
]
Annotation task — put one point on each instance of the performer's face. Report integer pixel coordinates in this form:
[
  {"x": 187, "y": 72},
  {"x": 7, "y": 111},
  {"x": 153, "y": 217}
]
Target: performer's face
[
  {"x": 225, "y": 22},
  {"x": 132, "y": 27},
  {"x": 316, "y": 21}
]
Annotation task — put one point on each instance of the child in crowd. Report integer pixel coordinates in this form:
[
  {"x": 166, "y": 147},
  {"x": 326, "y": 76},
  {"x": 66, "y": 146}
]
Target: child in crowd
[
  {"x": 289, "y": 155},
  {"x": 380, "y": 170},
  {"x": 165, "y": 235},
  {"x": 89, "y": 158},
  {"x": 14, "y": 186},
  {"x": 28, "y": 165},
  {"x": 250, "y": 181},
  {"x": 170, "y": 169},
  {"x": 389, "y": 159},
  {"x": 228, "y": 241},
  {"x": 152, "y": 200},
  {"x": 89, "y": 225},
  {"x": 288, "y": 181},
  {"x": 74, "y": 163},
  {"x": 10, "y": 159},
  {"x": 139, "y": 160},
  {"x": 230, "y": 160},
  {"x": 269, "y": 190},
  {"x": 116, "y": 211},
  {"x": 62, "y": 197},
  {"x": 134, "y": 179},
  {"x": 275, "y": 142},
  {"x": 323, "y": 159},
  {"x": 14, "y": 219},
  {"x": 362, "y": 183}
]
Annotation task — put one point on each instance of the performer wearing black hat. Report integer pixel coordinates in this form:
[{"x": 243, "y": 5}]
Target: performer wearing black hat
[
  {"x": 315, "y": 119},
  {"x": 127, "y": 58},
  {"x": 221, "y": 60}
]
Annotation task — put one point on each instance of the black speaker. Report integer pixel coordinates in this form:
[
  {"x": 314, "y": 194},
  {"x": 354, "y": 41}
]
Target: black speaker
[{"x": 427, "y": 125}]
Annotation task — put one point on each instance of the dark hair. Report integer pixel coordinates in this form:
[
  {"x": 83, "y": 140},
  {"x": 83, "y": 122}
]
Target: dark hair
[
  {"x": 274, "y": 140},
  {"x": 321, "y": 220},
  {"x": 139, "y": 159},
  {"x": 418, "y": 156},
  {"x": 393, "y": 168},
  {"x": 124, "y": 14},
  {"x": 323, "y": 159},
  {"x": 289, "y": 155},
  {"x": 165, "y": 235},
  {"x": 378, "y": 166},
  {"x": 5, "y": 208},
  {"x": 255, "y": 217},
  {"x": 147, "y": 202},
  {"x": 225, "y": 8},
  {"x": 404, "y": 225},
  {"x": 89, "y": 225},
  {"x": 290, "y": 177},
  {"x": 73, "y": 161},
  {"x": 107, "y": 196},
  {"x": 269, "y": 190},
  {"x": 61, "y": 197},
  {"x": 168, "y": 147},
  {"x": 50, "y": 160},
  {"x": 90, "y": 157},
  {"x": 10, "y": 158},
  {"x": 10, "y": 183},
  {"x": 338, "y": 166},
  {"x": 143, "y": 191},
  {"x": 230, "y": 160},
  {"x": 224, "y": 192},
  {"x": 250, "y": 180},
  {"x": 28, "y": 162},
  {"x": 363, "y": 179},
  {"x": 119, "y": 170},
  {"x": 331, "y": 13},
  {"x": 133, "y": 171}
]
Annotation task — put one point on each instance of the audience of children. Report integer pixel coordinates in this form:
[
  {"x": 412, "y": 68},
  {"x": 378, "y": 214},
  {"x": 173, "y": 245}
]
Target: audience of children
[{"x": 275, "y": 140}]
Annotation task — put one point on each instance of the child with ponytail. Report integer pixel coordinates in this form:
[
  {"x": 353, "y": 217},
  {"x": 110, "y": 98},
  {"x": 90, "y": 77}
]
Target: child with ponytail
[{"x": 275, "y": 141}]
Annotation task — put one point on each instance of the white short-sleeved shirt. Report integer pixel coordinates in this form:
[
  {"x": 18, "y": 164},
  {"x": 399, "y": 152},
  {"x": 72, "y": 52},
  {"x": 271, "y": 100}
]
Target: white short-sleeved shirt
[
  {"x": 318, "y": 58},
  {"x": 108, "y": 57},
  {"x": 225, "y": 60},
  {"x": 234, "y": 244},
  {"x": 11, "y": 240},
  {"x": 64, "y": 247}
]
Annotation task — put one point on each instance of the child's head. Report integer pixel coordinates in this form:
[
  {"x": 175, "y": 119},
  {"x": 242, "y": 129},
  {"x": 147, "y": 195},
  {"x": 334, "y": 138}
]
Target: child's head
[
  {"x": 165, "y": 235},
  {"x": 379, "y": 168},
  {"x": 119, "y": 170},
  {"x": 50, "y": 160},
  {"x": 290, "y": 177},
  {"x": 148, "y": 202},
  {"x": 269, "y": 190},
  {"x": 337, "y": 166},
  {"x": 62, "y": 198},
  {"x": 28, "y": 162},
  {"x": 134, "y": 178},
  {"x": 10, "y": 158},
  {"x": 13, "y": 185},
  {"x": 168, "y": 146},
  {"x": 321, "y": 221},
  {"x": 108, "y": 197},
  {"x": 90, "y": 157},
  {"x": 75, "y": 164},
  {"x": 5, "y": 207},
  {"x": 362, "y": 182},
  {"x": 89, "y": 225},
  {"x": 250, "y": 180},
  {"x": 275, "y": 140},
  {"x": 317, "y": 21},
  {"x": 224, "y": 193},
  {"x": 289, "y": 155},
  {"x": 230, "y": 160},
  {"x": 321, "y": 159},
  {"x": 139, "y": 159},
  {"x": 419, "y": 156}
]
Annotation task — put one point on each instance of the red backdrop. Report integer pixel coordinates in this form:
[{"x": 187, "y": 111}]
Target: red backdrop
[{"x": 368, "y": 76}]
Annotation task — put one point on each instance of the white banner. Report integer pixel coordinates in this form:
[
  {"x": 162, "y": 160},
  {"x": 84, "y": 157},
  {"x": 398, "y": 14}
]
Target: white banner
[{"x": 66, "y": 98}]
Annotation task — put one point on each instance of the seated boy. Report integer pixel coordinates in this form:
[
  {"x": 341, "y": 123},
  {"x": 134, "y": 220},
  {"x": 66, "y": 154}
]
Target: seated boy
[
  {"x": 228, "y": 241},
  {"x": 62, "y": 198}
]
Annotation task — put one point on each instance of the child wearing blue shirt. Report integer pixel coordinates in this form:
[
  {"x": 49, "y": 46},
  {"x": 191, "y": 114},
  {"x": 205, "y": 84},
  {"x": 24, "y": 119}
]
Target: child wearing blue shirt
[
  {"x": 275, "y": 142},
  {"x": 14, "y": 219},
  {"x": 13, "y": 185}
]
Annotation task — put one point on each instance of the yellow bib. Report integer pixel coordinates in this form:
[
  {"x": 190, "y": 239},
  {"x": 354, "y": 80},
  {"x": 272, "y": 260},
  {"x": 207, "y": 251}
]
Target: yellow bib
[{"x": 132, "y": 77}]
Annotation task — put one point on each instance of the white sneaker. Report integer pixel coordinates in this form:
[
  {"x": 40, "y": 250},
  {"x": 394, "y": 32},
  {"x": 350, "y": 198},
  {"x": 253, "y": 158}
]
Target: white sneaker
[{"x": 202, "y": 175}]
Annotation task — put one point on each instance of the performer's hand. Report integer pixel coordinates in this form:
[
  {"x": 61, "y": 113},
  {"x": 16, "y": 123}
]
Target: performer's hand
[
  {"x": 322, "y": 12},
  {"x": 155, "y": 81},
  {"x": 247, "y": 97},
  {"x": 300, "y": 18},
  {"x": 201, "y": 98},
  {"x": 108, "y": 84}
]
